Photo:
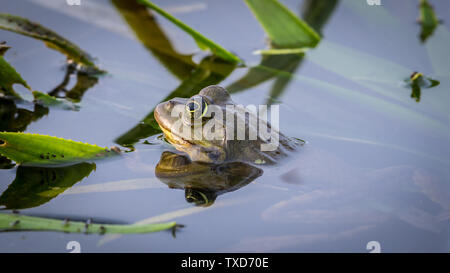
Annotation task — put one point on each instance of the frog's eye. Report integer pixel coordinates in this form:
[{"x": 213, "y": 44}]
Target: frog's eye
[
  {"x": 200, "y": 197},
  {"x": 197, "y": 107},
  {"x": 197, "y": 197}
]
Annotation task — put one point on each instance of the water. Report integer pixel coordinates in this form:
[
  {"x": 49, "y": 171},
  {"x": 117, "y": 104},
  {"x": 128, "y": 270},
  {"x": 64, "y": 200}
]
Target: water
[{"x": 375, "y": 167}]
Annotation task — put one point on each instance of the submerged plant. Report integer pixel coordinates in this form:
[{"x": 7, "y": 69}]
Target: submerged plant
[
  {"x": 17, "y": 222},
  {"x": 427, "y": 20},
  {"x": 50, "y": 38},
  {"x": 200, "y": 39},
  {"x": 417, "y": 81},
  {"x": 8, "y": 75}
]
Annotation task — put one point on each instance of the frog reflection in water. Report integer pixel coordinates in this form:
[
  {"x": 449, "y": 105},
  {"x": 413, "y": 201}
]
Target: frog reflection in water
[
  {"x": 203, "y": 182},
  {"x": 215, "y": 165},
  {"x": 222, "y": 145}
]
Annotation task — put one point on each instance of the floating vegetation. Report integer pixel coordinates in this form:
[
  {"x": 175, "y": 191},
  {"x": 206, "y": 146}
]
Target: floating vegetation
[
  {"x": 34, "y": 149},
  {"x": 427, "y": 20},
  {"x": 202, "y": 41},
  {"x": 417, "y": 81},
  {"x": 284, "y": 28},
  {"x": 8, "y": 75},
  {"x": 17, "y": 222},
  {"x": 50, "y": 101},
  {"x": 51, "y": 39}
]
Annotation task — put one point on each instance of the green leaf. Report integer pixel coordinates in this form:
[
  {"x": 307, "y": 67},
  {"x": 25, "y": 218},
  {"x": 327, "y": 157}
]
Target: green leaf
[
  {"x": 47, "y": 100},
  {"x": 34, "y": 149},
  {"x": 417, "y": 81},
  {"x": 52, "y": 40},
  {"x": 280, "y": 51},
  {"x": 284, "y": 29},
  {"x": 152, "y": 36},
  {"x": 8, "y": 75},
  {"x": 215, "y": 48},
  {"x": 17, "y": 222},
  {"x": 427, "y": 20},
  {"x": 316, "y": 13},
  {"x": 34, "y": 186}
]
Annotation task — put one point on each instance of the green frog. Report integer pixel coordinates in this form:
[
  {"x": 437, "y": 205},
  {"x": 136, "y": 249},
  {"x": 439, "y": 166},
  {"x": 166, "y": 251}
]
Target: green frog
[{"x": 214, "y": 103}]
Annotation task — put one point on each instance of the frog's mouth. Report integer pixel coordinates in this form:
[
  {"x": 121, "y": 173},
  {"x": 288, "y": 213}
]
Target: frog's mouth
[
  {"x": 174, "y": 139},
  {"x": 164, "y": 121}
]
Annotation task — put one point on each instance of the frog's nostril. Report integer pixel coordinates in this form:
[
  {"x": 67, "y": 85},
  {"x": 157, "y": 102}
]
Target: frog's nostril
[{"x": 170, "y": 104}]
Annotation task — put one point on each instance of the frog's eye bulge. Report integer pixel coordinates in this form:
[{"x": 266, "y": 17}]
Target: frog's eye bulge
[
  {"x": 199, "y": 198},
  {"x": 197, "y": 107},
  {"x": 192, "y": 106}
]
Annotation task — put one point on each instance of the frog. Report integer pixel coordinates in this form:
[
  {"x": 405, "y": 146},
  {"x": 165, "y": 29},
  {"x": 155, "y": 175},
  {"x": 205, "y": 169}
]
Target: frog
[
  {"x": 203, "y": 182},
  {"x": 222, "y": 145}
]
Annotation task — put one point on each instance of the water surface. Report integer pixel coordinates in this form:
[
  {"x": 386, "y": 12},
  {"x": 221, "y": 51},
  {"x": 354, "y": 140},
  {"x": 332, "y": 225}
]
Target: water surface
[{"x": 375, "y": 166}]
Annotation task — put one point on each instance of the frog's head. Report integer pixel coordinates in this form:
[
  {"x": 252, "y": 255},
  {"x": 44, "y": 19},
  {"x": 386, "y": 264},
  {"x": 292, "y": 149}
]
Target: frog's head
[{"x": 180, "y": 118}]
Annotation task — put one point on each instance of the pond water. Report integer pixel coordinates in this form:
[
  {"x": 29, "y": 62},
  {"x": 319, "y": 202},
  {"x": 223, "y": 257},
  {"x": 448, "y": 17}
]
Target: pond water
[{"x": 375, "y": 166}]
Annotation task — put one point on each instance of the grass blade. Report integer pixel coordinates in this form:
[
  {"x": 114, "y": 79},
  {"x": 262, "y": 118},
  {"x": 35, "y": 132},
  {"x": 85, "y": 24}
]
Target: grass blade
[
  {"x": 15, "y": 222},
  {"x": 427, "y": 20},
  {"x": 47, "y": 100},
  {"x": 282, "y": 26},
  {"x": 201, "y": 40},
  {"x": 8, "y": 75},
  {"x": 52, "y": 40},
  {"x": 151, "y": 35}
]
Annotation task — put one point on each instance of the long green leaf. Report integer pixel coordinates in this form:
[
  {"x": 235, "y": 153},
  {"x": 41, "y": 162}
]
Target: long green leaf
[
  {"x": 8, "y": 75},
  {"x": 427, "y": 19},
  {"x": 282, "y": 26},
  {"x": 47, "y": 100},
  {"x": 316, "y": 14},
  {"x": 152, "y": 36},
  {"x": 53, "y": 40},
  {"x": 16, "y": 222},
  {"x": 201, "y": 40},
  {"x": 34, "y": 149}
]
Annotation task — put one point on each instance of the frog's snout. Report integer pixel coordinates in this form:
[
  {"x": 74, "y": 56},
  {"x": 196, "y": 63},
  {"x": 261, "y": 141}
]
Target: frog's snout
[{"x": 170, "y": 104}]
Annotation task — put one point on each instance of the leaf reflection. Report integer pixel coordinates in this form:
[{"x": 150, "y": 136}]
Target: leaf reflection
[{"x": 34, "y": 186}]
